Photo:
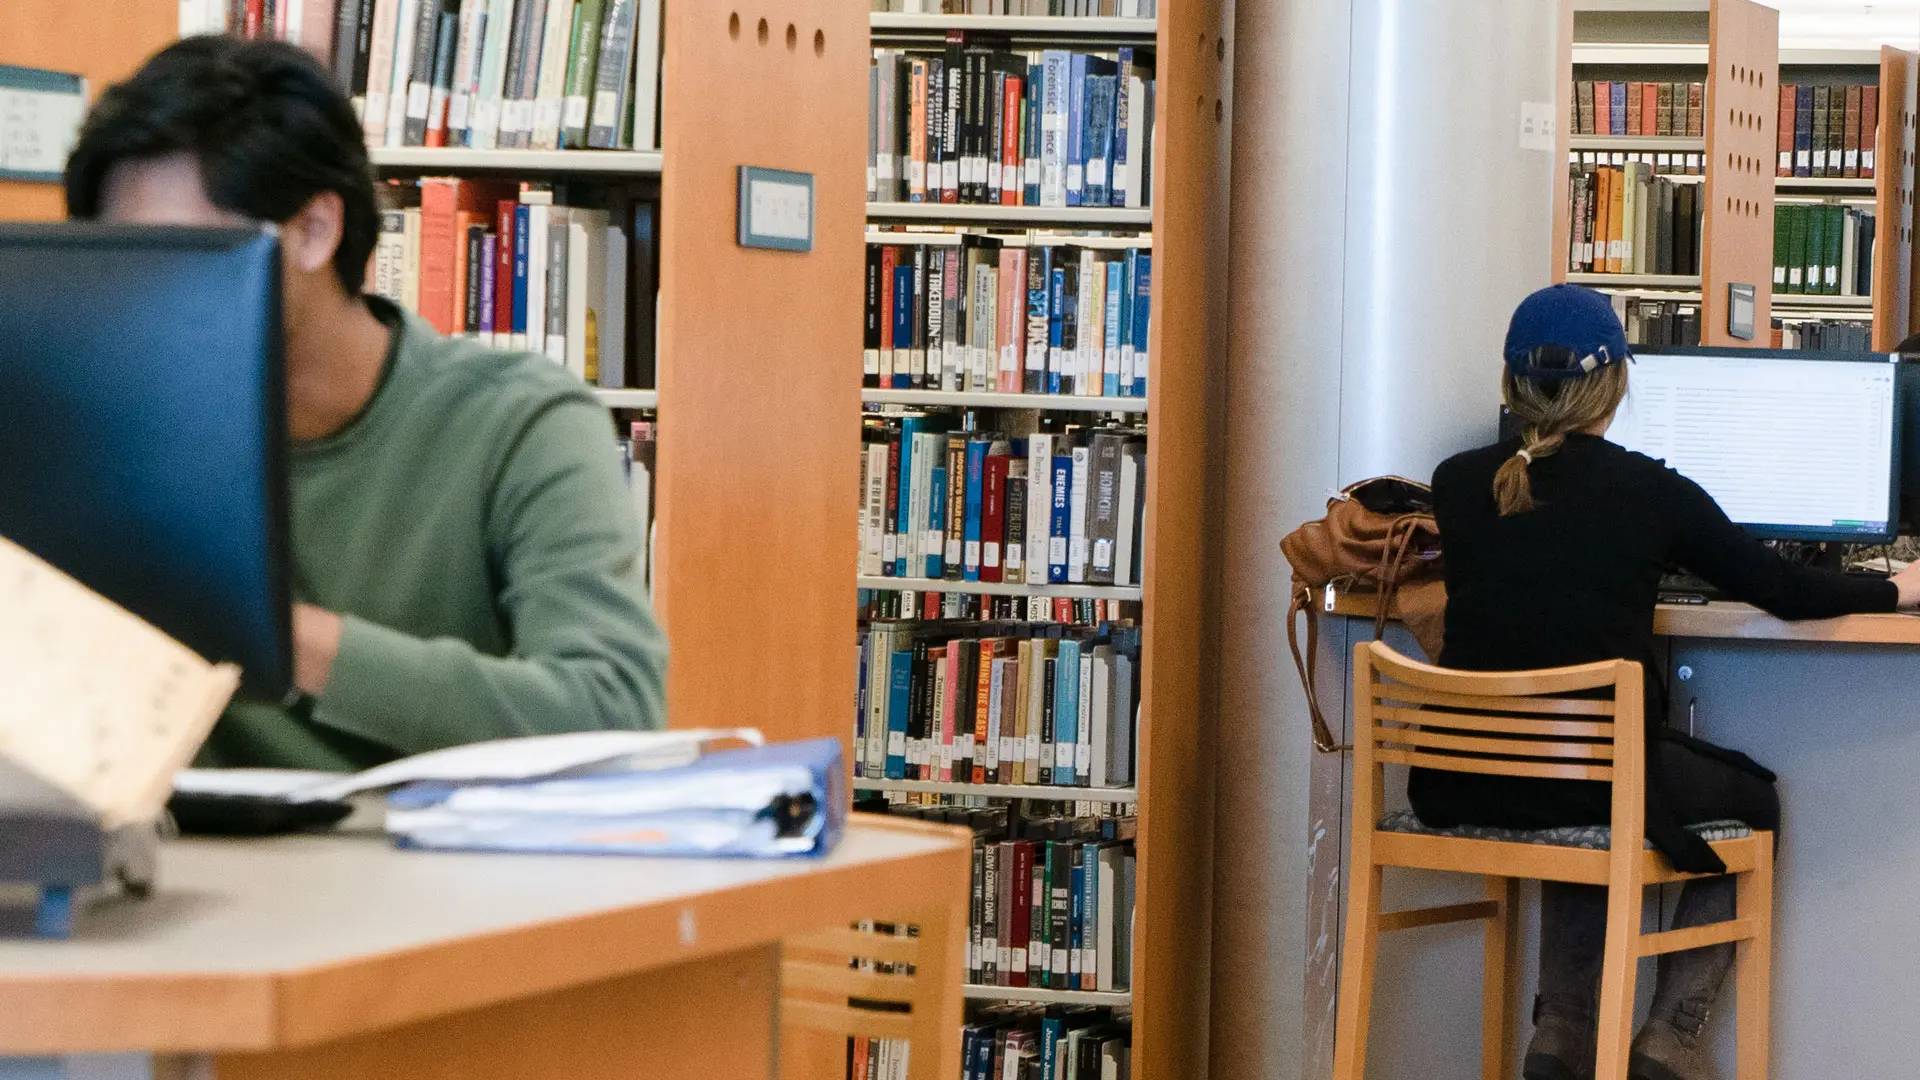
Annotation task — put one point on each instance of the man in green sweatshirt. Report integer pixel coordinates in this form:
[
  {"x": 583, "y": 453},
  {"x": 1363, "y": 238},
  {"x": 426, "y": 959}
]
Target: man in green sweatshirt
[{"x": 466, "y": 560}]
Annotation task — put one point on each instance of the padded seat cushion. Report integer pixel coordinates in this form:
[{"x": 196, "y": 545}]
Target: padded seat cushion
[{"x": 1589, "y": 837}]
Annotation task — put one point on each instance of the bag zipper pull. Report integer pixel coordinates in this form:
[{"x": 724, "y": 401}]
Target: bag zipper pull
[{"x": 1330, "y": 596}]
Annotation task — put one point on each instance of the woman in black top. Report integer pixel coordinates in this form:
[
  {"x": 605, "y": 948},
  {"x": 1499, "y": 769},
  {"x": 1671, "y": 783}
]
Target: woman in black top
[{"x": 1555, "y": 544}]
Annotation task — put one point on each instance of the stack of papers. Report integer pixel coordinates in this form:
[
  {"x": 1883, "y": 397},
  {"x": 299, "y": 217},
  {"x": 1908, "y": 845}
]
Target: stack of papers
[{"x": 769, "y": 801}]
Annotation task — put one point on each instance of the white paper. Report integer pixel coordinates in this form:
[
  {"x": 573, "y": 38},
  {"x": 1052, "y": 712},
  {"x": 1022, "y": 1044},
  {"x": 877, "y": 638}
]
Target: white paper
[{"x": 38, "y": 129}]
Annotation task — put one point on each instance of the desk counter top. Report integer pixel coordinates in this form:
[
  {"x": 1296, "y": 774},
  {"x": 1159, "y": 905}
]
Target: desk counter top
[
  {"x": 1728, "y": 620},
  {"x": 252, "y": 945}
]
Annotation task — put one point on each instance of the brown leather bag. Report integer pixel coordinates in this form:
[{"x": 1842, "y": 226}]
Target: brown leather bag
[{"x": 1379, "y": 536}]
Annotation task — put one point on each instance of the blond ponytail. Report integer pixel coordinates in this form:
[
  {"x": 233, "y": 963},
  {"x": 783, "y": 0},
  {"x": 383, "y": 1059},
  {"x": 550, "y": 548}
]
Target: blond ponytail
[{"x": 1551, "y": 410}]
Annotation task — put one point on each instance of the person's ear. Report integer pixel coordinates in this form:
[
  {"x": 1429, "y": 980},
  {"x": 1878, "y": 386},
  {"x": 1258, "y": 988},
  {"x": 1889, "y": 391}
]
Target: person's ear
[{"x": 312, "y": 236}]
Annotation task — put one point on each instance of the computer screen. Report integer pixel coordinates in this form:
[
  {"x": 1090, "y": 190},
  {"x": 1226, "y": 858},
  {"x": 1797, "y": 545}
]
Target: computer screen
[
  {"x": 1792, "y": 445},
  {"x": 142, "y": 427}
]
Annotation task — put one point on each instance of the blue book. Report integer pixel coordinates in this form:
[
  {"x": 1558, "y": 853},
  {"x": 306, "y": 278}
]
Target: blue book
[
  {"x": 521, "y": 226},
  {"x": 1142, "y": 280},
  {"x": 860, "y": 704},
  {"x": 899, "y": 709},
  {"x": 937, "y": 522},
  {"x": 1056, "y": 309},
  {"x": 1122, "y": 89},
  {"x": 982, "y": 1064},
  {"x": 1090, "y": 918},
  {"x": 1129, "y": 263},
  {"x": 970, "y": 527},
  {"x": 903, "y": 294},
  {"x": 1803, "y": 130},
  {"x": 1060, "y": 525},
  {"x": 1066, "y": 711},
  {"x": 1030, "y": 133},
  {"x": 1097, "y": 131},
  {"x": 1056, "y": 113},
  {"x": 1051, "y": 1030},
  {"x": 1033, "y": 379},
  {"x": 1618, "y": 119},
  {"x": 910, "y": 426},
  {"x": 1076, "y": 128},
  {"x": 1117, "y": 294}
]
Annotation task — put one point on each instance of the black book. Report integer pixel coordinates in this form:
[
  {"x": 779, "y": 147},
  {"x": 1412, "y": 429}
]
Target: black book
[
  {"x": 870, "y": 335},
  {"x": 1016, "y": 520},
  {"x": 950, "y": 172},
  {"x": 1046, "y": 721},
  {"x": 920, "y": 695},
  {"x": 936, "y": 126},
  {"x": 351, "y": 40},
  {"x": 974, "y": 904},
  {"x": 476, "y": 258},
  {"x": 643, "y": 276},
  {"x": 1103, "y": 505},
  {"x": 1685, "y": 251},
  {"x": 419, "y": 88},
  {"x": 917, "y": 368}
]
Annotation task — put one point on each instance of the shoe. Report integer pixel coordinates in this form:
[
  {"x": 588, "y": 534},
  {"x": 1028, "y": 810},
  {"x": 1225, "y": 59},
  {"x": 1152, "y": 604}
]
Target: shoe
[
  {"x": 1669, "y": 1046},
  {"x": 1562, "y": 1048}
]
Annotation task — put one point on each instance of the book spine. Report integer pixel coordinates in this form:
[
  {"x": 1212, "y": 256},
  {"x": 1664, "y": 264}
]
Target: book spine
[
  {"x": 956, "y": 519},
  {"x": 870, "y": 339},
  {"x": 1039, "y": 505},
  {"x": 1077, "y": 543},
  {"x": 1010, "y": 311},
  {"x": 976, "y": 488},
  {"x": 582, "y": 74},
  {"x": 380, "y": 48},
  {"x": 469, "y": 28},
  {"x": 935, "y": 548},
  {"x": 419, "y": 75},
  {"x": 1076, "y": 129},
  {"x": 917, "y": 312},
  {"x": 899, "y": 704},
  {"x": 489, "y": 288},
  {"x": 1054, "y": 116},
  {"x": 993, "y": 512},
  {"x": 1116, "y": 295},
  {"x": 441, "y": 87},
  {"x": 1784, "y": 140},
  {"x": 550, "y": 88},
  {"x": 610, "y": 74},
  {"x": 1015, "y": 569},
  {"x": 483, "y": 127},
  {"x": 522, "y": 273},
  {"x": 1039, "y": 272},
  {"x": 1869, "y": 128},
  {"x": 1060, "y": 517}
]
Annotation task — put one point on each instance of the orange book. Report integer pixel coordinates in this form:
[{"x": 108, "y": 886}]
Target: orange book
[
  {"x": 917, "y": 133},
  {"x": 1011, "y": 311},
  {"x": 443, "y": 244},
  {"x": 461, "y": 220},
  {"x": 1649, "y": 108},
  {"x": 1784, "y": 143},
  {"x": 1617, "y": 258},
  {"x": 1869, "y": 128},
  {"x": 1602, "y": 218}
]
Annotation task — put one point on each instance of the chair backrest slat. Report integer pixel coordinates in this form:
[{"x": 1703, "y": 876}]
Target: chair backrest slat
[
  {"x": 1505, "y": 684},
  {"x": 1498, "y": 767},
  {"x": 1507, "y": 725},
  {"x": 1394, "y": 692},
  {"x": 1545, "y": 750}
]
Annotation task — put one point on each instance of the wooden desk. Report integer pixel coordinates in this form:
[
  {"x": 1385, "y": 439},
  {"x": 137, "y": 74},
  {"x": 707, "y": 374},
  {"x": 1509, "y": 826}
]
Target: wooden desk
[
  {"x": 1734, "y": 621},
  {"x": 338, "y": 956}
]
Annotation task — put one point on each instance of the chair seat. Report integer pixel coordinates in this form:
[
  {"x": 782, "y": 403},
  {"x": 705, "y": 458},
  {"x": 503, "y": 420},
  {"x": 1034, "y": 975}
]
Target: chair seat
[{"x": 1586, "y": 837}]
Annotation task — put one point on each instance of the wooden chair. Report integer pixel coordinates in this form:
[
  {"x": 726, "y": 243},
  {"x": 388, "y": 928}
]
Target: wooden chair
[
  {"x": 1512, "y": 724},
  {"x": 874, "y": 984}
]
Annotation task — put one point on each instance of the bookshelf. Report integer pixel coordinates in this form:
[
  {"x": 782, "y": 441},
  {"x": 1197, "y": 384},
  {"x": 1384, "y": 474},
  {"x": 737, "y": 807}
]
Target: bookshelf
[
  {"x": 999, "y": 588},
  {"x": 1185, "y": 230},
  {"x": 1735, "y": 50}
]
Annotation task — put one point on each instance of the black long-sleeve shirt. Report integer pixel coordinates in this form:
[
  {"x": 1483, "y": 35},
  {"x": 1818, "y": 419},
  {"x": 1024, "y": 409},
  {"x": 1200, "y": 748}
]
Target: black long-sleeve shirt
[{"x": 1575, "y": 581}]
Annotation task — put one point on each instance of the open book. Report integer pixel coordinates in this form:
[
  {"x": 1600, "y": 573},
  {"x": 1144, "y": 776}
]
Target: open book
[{"x": 94, "y": 700}]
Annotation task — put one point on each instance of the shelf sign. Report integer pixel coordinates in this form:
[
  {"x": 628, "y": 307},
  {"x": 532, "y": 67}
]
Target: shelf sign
[
  {"x": 1740, "y": 310},
  {"x": 40, "y": 114},
  {"x": 776, "y": 209}
]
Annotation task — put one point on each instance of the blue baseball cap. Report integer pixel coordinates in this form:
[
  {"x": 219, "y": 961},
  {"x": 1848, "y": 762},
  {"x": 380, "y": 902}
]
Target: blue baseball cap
[{"x": 1564, "y": 332}]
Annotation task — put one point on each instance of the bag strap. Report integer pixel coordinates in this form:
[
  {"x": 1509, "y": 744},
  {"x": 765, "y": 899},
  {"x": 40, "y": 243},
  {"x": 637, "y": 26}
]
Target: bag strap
[{"x": 1323, "y": 739}]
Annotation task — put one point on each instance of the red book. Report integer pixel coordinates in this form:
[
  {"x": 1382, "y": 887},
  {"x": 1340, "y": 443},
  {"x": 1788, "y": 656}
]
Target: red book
[
  {"x": 462, "y": 220},
  {"x": 993, "y": 510},
  {"x": 889, "y": 259},
  {"x": 442, "y": 198},
  {"x": 1010, "y": 159},
  {"x": 1020, "y": 919},
  {"x": 256, "y": 11},
  {"x": 887, "y": 559},
  {"x": 1869, "y": 128},
  {"x": 1649, "y": 108},
  {"x": 983, "y": 701},
  {"x": 503, "y": 272}
]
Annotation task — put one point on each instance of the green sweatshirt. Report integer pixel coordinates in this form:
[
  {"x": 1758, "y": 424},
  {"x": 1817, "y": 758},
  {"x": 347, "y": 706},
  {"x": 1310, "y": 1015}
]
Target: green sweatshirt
[{"x": 474, "y": 527}]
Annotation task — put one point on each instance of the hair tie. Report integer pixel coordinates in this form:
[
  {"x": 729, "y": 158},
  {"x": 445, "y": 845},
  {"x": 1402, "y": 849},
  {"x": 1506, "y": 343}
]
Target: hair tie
[{"x": 1523, "y": 455}]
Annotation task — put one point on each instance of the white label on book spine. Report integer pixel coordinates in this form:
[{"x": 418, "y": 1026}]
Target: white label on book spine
[
  {"x": 950, "y": 175},
  {"x": 515, "y": 115},
  {"x": 576, "y": 111},
  {"x": 1063, "y": 755},
  {"x": 1033, "y": 743},
  {"x": 546, "y": 114},
  {"x": 1786, "y": 159},
  {"x": 1019, "y": 959},
  {"x": 870, "y": 361},
  {"x": 1853, "y": 159},
  {"x": 1102, "y": 554},
  {"x": 972, "y": 557},
  {"x": 1833, "y": 276},
  {"x": 897, "y": 744},
  {"x": 953, "y": 551},
  {"x": 889, "y": 547},
  {"x": 1866, "y": 159},
  {"x": 486, "y": 118},
  {"x": 457, "y": 111},
  {"x": 917, "y": 174},
  {"x": 1779, "y": 275},
  {"x": 1097, "y": 172},
  {"x": 935, "y": 539},
  {"x": 605, "y": 101},
  {"x": 1074, "y": 178},
  {"x": 419, "y": 95},
  {"x": 1793, "y": 275},
  {"x": 993, "y": 175},
  {"x": 990, "y": 554},
  {"x": 1082, "y": 757},
  {"x": 1009, "y": 358},
  {"x": 1805, "y": 160},
  {"x": 1057, "y": 549}
]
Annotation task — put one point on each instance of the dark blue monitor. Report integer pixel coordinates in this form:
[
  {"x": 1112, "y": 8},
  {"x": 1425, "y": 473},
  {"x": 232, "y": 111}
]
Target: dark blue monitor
[{"x": 143, "y": 427}]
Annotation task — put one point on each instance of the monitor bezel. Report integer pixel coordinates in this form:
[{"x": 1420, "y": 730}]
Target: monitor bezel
[{"x": 1799, "y": 533}]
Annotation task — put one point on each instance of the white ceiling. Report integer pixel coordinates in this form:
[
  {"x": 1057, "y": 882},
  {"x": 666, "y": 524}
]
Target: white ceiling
[{"x": 1845, "y": 24}]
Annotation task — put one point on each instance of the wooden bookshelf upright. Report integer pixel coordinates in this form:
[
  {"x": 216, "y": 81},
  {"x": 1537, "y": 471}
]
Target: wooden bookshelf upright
[{"x": 1173, "y": 794}]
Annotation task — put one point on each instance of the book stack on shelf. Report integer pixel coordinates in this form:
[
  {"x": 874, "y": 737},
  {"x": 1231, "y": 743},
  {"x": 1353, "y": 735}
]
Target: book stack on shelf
[
  {"x": 946, "y": 507},
  {"x": 1822, "y": 250},
  {"x": 977, "y": 125},
  {"x": 1626, "y": 220},
  {"x": 1008, "y": 704},
  {"x": 527, "y": 266},
  {"x": 1828, "y": 130},
  {"x": 972, "y": 312},
  {"x": 480, "y": 74},
  {"x": 1604, "y": 107},
  {"x": 1652, "y": 323}
]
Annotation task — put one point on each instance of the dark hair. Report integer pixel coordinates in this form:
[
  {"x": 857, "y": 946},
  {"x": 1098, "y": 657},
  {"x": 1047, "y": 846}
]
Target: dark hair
[{"x": 265, "y": 122}]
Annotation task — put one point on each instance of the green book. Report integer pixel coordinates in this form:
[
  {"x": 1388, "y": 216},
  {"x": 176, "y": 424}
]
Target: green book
[
  {"x": 1836, "y": 216},
  {"x": 582, "y": 66},
  {"x": 1796, "y": 249},
  {"x": 1812, "y": 255},
  {"x": 1782, "y": 243}
]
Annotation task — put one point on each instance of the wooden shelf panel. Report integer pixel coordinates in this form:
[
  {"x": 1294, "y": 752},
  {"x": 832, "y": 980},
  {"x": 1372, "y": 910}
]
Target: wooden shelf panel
[
  {"x": 598, "y": 162},
  {"x": 1638, "y": 281},
  {"x": 1000, "y": 588},
  {"x": 1040, "y": 402},
  {"x": 1002, "y": 791},
  {"x": 628, "y": 399},
  {"x": 1116, "y": 998},
  {"x": 1680, "y": 143},
  {"x": 887, "y": 23},
  {"x": 1095, "y": 217}
]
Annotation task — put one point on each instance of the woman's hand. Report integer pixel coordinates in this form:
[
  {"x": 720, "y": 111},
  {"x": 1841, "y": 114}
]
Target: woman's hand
[{"x": 1908, "y": 581}]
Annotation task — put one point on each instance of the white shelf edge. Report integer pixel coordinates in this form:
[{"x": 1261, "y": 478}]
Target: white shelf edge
[
  {"x": 1090, "y": 216},
  {"x": 950, "y": 238},
  {"x": 1063, "y": 25},
  {"x": 628, "y": 399},
  {"x": 1048, "y": 402},
  {"x": 1674, "y": 296},
  {"x": 1670, "y": 143},
  {"x": 1000, "y": 588},
  {"x": 620, "y": 162},
  {"x": 1694, "y": 55},
  {"x": 1824, "y": 183},
  {"x": 1115, "y": 998},
  {"x": 1002, "y": 791},
  {"x": 1638, "y": 281},
  {"x": 1830, "y": 303}
]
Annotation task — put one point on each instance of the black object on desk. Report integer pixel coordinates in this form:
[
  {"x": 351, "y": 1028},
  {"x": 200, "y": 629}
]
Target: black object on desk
[{"x": 143, "y": 428}]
